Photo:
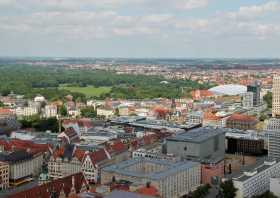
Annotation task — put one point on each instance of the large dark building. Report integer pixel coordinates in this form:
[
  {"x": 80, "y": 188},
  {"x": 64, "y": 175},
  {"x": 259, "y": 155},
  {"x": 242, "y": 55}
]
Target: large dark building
[
  {"x": 243, "y": 142},
  {"x": 256, "y": 90}
]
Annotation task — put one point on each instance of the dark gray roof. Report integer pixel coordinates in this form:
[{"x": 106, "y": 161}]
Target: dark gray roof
[
  {"x": 15, "y": 156},
  {"x": 198, "y": 135}
]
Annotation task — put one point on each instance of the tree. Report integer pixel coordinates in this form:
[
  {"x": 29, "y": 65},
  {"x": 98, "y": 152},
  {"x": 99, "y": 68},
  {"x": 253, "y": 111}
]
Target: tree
[
  {"x": 117, "y": 112},
  {"x": 228, "y": 189},
  {"x": 268, "y": 99},
  {"x": 40, "y": 124},
  {"x": 63, "y": 111},
  {"x": 89, "y": 112},
  {"x": 201, "y": 191},
  {"x": 1, "y": 104}
]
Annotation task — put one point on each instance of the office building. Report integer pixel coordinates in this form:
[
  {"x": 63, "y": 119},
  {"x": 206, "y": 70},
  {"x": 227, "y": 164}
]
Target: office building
[
  {"x": 244, "y": 142},
  {"x": 205, "y": 145},
  {"x": 256, "y": 180},
  {"x": 272, "y": 124},
  {"x": 247, "y": 100},
  {"x": 275, "y": 186},
  {"x": 273, "y": 144},
  {"x": 256, "y": 90},
  {"x": 172, "y": 180},
  {"x": 276, "y": 96}
]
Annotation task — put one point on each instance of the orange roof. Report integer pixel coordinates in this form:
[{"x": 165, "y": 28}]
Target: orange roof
[
  {"x": 150, "y": 191},
  {"x": 241, "y": 117},
  {"x": 210, "y": 116},
  {"x": 197, "y": 94},
  {"x": 5, "y": 111}
]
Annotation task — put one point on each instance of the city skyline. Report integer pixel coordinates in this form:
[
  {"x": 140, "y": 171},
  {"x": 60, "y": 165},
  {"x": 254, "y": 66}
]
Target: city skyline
[{"x": 142, "y": 28}]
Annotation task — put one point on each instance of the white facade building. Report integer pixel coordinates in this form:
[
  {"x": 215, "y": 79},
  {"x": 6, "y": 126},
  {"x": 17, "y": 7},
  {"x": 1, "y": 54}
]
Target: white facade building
[
  {"x": 194, "y": 117},
  {"x": 272, "y": 124},
  {"x": 274, "y": 144},
  {"x": 27, "y": 111},
  {"x": 247, "y": 100},
  {"x": 275, "y": 186},
  {"x": 257, "y": 180},
  {"x": 50, "y": 111}
]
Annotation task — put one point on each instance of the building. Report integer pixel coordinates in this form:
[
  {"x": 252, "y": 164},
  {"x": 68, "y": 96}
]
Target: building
[
  {"x": 244, "y": 142},
  {"x": 276, "y": 96},
  {"x": 275, "y": 186},
  {"x": 63, "y": 187},
  {"x": 81, "y": 126},
  {"x": 194, "y": 117},
  {"x": 27, "y": 111},
  {"x": 65, "y": 161},
  {"x": 152, "y": 154},
  {"x": 22, "y": 165},
  {"x": 4, "y": 175},
  {"x": 247, "y": 100},
  {"x": 205, "y": 145},
  {"x": 8, "y": 121},
  {"x": 256, "y": 90},
  {"x": 213, "y": 120},
  {"x": 201, "y": 94},
  {"x": 172, "y": 180},
  {"x": 242, "y": 122},
  {"x": 272, "y": 124},
  {"x": 69, "y": 160},
  {"x": 50, "y": 111},
  {"x": 256, "y": 180},
  {"x": 105, "y": 112},
  {"x": 273, "y": 144}
]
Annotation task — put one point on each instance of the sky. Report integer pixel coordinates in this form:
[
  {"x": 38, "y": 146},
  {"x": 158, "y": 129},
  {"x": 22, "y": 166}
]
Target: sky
[{"x": 140, "y": 28}]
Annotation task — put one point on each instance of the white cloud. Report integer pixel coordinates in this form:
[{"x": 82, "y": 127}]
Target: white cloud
[
  {"x": 251, "y": 12},
  {"x": 190, "y": 4}
]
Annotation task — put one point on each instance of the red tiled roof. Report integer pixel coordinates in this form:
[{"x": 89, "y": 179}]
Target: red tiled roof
[
  {"x": 64, "y": 184},
  {"x": 118, "y": 147},
  {"x": 98, "y": 156},
  {"x": 24, "y": 145},
  {"x": 5, "y": 111},
  {"x": 210, "y": 116},
  {"x": 241, "y": 117},
  {"x": 197, "y": 94},
  {"x": 149, "y": 191}
]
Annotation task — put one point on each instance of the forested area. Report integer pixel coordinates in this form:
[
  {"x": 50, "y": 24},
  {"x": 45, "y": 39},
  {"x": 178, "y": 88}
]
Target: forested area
[{"x": 32, "y": 80}]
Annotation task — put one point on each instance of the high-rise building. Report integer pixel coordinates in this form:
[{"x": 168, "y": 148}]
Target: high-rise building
[
  {"x": 256, "y": 90},
  {"x": 248, "y": 99},
  {"x": 273, "y": 144},
  {"x": 276, "y": 96}
]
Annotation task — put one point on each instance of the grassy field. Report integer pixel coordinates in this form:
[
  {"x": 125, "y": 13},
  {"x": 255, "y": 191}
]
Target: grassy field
[{"x": 89, "y": 91}]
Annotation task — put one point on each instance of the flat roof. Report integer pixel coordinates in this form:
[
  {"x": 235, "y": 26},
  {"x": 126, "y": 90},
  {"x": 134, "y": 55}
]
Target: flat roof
[
  {"x": 198, "y": 135},
  {"x": 170, "y": 168},
  {"x": 261, "y": 165}
]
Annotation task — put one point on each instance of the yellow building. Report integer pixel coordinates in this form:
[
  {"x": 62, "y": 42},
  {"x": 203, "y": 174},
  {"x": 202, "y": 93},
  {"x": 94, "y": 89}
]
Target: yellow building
[{"x": 4, "y": 175}]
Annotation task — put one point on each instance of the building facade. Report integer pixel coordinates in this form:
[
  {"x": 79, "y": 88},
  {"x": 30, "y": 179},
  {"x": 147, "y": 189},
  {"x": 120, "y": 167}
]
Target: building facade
[
  {"x": 256, "y": 181},
  {"x": 4, "y": 176},
  {"x": 256, "y": 90},
  {"x": 247, "y": 100},
  {"x": 242, "y": 122},
  {"x": 274, "y": 144},
  {"x": 172, "y": 180},
  {"x": 276, "y": 96}
]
